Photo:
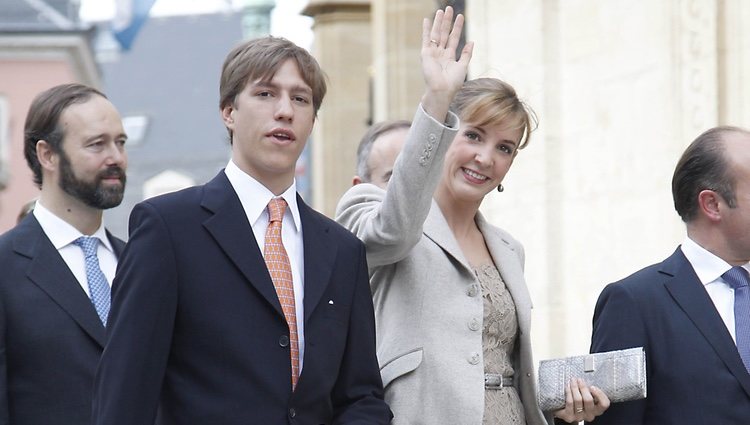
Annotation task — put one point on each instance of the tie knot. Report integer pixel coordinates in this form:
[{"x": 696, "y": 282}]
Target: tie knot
[
  {"x": 276, "y": 209},
  {"x": 88, "y": 244},
  {"x": 736, "y": 277}
]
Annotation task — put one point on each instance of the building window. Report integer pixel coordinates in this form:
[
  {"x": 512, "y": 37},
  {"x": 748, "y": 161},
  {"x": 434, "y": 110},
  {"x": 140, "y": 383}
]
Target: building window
[{"x": 135, "y": 127}]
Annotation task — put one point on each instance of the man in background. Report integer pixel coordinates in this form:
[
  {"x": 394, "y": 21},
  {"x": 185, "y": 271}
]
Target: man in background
[
  {"x": 58, "y": 262},
  {"x": 378, "y": 150},
  {"x": 691, "y": 312}
]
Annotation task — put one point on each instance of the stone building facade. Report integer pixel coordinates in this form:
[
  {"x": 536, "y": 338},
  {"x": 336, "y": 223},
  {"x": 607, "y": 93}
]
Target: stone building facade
[{"x": 620, "y": 88}]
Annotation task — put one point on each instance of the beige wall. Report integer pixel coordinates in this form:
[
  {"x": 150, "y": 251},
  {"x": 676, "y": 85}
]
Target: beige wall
[
  {"x": 734, "y": 62},
  {"x": 620, "y": 88}
]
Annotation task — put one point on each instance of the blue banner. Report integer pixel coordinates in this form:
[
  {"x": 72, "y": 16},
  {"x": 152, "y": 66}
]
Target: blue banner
[{"x": 129, "y": 18}]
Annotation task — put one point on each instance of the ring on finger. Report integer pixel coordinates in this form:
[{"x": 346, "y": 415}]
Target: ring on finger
[
  {"x": 579, "y": 409},
  {"x": 433, "y": 41}
]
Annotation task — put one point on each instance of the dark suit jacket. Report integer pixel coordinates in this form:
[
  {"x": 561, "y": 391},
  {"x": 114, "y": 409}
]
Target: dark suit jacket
[
  {"x": 196, "y": 326},
  {"x": 50, "y": 335},
  {"x": 694, "y": 371}
]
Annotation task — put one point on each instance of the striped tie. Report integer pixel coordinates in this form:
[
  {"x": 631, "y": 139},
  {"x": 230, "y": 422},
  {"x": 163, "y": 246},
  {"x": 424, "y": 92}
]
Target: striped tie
[
  {"x": 280, "y": 270},
  {"x": 737, "y": 278}
]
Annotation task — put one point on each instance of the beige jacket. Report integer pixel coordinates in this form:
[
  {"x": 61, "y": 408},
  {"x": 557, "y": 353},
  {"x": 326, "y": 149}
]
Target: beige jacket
[{"x": 427, "y": 299}]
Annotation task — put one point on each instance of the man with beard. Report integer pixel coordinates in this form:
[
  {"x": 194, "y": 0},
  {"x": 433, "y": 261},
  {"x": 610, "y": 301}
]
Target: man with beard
[{"x": 58, "y": 262}]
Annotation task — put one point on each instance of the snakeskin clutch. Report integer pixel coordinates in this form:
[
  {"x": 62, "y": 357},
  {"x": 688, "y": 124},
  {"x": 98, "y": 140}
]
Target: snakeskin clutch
[{"x": 620, "y": 374}]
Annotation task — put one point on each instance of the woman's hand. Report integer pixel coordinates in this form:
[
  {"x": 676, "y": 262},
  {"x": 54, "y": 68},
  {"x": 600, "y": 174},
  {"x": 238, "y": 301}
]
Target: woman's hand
[
  {"x": 582, "y": 403},
  {"x": 443, "y": 74}
]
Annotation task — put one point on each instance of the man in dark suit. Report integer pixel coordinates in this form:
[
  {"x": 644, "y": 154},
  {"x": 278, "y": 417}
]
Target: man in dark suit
[
  {"x": 217, "y": 321},
  {"x": 691, "y": 313},
  {"x": 56, "y": 264}
]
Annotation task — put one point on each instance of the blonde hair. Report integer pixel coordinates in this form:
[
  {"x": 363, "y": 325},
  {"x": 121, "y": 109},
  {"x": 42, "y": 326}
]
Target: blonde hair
[{"x": 489, "y": 101}]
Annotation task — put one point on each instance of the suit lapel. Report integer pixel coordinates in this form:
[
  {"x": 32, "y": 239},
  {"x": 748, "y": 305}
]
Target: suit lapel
[
  {"x": 320, "y": 254},
  {"x": 688, "y": 293},
  {"x": 52, "y": 275},
  {"x": 505, "y": 258},
  {"x": 510, "y": 268},
  {"x": 117, "y": 244},
  {"x": 229, "y": 227},
  {"x": 436, "y": 228}
]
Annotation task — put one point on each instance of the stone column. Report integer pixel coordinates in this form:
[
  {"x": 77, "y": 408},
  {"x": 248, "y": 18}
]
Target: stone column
[
  {"x": 342, "y": 46},
  {"x": 695, "y": 67},
  {"x": 397, "y": 39}
]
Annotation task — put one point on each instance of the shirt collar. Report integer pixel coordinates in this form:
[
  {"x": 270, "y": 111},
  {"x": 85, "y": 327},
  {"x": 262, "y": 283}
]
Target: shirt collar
[
  {"x": 707, "y": 266},
  {"x": 255, "y": 197},
  {"x": 60, "y": 232}
]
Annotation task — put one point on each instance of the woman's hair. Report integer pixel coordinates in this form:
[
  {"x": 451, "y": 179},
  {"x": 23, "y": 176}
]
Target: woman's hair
[{"x": 489, "y": 101}]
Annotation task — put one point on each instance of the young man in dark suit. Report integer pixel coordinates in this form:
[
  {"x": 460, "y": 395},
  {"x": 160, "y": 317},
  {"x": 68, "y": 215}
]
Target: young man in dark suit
[
  {"x": 57, "y": 263},
  {"x": 235, "y": 302},
  {"x": 691, "y": 312}
]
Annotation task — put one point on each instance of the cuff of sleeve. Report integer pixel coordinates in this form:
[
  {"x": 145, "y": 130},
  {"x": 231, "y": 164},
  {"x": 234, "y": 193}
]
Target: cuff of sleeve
[{"x": 451, "y": 120}]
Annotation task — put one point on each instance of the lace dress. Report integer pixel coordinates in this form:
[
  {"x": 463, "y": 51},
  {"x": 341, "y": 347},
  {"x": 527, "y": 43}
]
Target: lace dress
[{"x": 503, "y": 406}]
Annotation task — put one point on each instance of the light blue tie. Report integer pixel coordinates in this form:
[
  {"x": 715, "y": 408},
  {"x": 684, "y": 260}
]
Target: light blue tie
[
  {"x": 737, "y": 277},
  {"x": 98, "y": 287}
]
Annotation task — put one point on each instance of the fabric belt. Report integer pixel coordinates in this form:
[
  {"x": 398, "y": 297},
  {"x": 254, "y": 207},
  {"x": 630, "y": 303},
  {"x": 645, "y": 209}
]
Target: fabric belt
[{"x": 494, "y": 381}]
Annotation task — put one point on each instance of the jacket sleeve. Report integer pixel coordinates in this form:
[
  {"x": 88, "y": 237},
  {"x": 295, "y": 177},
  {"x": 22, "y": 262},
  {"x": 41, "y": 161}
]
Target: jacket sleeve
[
  {"x": 390, "y": 222},
  {"x": 618, "y": 324},
  {"x": 144, "y": 299}
]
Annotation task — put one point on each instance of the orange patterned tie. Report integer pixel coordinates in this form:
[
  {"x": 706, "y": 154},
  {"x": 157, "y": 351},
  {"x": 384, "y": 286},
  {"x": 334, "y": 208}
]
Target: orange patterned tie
[{"x": 281, "y": 273}]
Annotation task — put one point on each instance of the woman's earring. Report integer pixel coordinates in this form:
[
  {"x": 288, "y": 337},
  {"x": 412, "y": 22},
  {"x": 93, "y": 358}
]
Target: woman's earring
[{"x": 500, "y": 188}]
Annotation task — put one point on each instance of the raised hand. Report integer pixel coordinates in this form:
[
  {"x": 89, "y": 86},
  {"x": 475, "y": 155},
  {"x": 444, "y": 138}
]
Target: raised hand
[{"x": 443, "y": 73}]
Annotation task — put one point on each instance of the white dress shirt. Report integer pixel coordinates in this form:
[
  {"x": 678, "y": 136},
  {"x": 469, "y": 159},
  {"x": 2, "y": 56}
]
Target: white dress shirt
[
  {"x": 709, "y": 269},
  {"x": 62, "y": 235},
  {"x": 254, "y": 198}
]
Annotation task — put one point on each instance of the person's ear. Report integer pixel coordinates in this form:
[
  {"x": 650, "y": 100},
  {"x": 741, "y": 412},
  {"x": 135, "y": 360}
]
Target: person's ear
[
  {"x": 356, "y": 180},
  {"x": 227, "y": 115},
  {"x": 46, "y": 156},
  {"x": 709, "y": 204}
]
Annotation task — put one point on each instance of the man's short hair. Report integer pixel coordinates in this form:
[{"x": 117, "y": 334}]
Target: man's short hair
[
  {"x": 260, "y": 59},
  {"x": 43, "y": 120},
  {"x": 365, "y": 145},
  {"x": 704, "y": 166}
]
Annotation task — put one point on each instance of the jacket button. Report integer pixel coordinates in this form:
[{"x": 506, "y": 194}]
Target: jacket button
[
  {"x": 474, "y": 358},
  {"x": 292, "y": 412},
  {"x": 474, "y": 324},
  {"x": 284, "y": 341}
]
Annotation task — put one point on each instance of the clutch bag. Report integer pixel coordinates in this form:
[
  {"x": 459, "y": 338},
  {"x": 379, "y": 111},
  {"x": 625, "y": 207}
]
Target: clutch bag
[{"x": 620, "y": 374}]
